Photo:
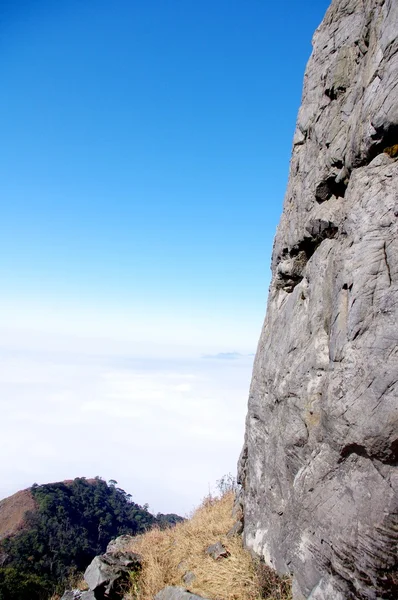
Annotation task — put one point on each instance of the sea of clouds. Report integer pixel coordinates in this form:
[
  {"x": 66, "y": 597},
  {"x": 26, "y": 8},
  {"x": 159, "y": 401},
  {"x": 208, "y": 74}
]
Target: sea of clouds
[{"x": 166, "y": 426}]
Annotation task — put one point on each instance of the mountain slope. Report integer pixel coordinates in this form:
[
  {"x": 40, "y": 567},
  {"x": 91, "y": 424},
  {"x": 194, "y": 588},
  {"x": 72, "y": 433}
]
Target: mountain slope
[
  {"x": 69, "y": 524},
  {"x": 13, "y": 510}
]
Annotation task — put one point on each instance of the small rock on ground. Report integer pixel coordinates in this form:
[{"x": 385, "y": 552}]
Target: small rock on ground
[
  {"x": 174, "y": 592},
  {"x": 217, "y": 551}
]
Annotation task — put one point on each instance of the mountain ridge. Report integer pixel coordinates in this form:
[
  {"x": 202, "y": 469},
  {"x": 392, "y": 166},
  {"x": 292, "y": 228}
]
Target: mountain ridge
[
  {"x": 14, "y": 507},
  {"x": 54, "y": 530}
]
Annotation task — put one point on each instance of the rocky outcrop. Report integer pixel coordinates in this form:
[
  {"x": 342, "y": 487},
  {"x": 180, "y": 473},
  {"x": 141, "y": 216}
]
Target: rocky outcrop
[
  {"x": 319, "y": 463},
  {"x": 108, "y": 574}
]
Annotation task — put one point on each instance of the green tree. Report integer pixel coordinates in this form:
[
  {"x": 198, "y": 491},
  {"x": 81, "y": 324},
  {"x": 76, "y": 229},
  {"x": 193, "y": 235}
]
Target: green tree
[{"x": 73, "y": 523}]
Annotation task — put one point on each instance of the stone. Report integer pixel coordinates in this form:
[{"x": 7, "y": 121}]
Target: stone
[
  {"x": 174, "y": 592},
  {"x": 121, "y": 543},
  {"x": 189, "y": 577},
  {"x": 319, "y": 463},
  {"x": 217, "y": 551},
  {"x": 107, "y": 573}
]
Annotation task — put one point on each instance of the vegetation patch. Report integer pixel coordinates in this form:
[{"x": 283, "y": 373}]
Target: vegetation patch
[
  {"x": 172, "y": 554},
  {"x": 392, "y": 151},
  {"x": 72, "y": 522}
]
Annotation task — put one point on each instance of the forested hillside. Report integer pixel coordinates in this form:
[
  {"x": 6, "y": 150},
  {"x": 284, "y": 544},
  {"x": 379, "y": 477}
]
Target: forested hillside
[{"x": 72, "y": 522}]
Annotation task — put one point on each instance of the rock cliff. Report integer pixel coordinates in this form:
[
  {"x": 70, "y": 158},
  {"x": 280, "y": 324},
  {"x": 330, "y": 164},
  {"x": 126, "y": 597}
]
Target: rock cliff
[{"x": 319, "y": 464}]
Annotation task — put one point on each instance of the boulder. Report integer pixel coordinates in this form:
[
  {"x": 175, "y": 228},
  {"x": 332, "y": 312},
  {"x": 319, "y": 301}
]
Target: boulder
[{"x": 108, "y": 573}]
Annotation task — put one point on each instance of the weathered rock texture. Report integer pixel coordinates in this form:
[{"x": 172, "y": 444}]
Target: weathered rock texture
[
  {"x": 319, "y": 464},
  {"x": 108, "y": 574}
]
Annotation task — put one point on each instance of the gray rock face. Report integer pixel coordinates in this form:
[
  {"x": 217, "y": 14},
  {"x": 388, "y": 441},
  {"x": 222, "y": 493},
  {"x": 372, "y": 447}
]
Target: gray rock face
[{"x": 319, "y": 463}]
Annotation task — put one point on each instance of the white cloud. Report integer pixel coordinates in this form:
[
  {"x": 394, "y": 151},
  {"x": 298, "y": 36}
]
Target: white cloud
[{"x": 164, "y": 428}]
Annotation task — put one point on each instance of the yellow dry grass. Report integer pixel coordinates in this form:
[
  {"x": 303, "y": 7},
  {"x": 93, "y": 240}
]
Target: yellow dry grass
[{"x": 169, "y": 554}]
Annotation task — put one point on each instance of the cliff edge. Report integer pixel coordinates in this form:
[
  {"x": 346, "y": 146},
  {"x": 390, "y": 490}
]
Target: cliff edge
[{"x": 319, "y": 463}]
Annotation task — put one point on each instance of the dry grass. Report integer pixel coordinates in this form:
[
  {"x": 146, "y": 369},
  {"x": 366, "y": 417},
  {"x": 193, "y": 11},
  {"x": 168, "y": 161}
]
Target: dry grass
[
  {"x": 169, "y": 554},
  {"x": 392, "y": 151},
  {"x": 13, "y": 510}
]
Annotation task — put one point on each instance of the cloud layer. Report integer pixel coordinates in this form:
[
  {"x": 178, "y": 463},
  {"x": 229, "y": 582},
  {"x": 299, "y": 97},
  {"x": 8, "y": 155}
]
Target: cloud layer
[{"x": 165, "y": 429}]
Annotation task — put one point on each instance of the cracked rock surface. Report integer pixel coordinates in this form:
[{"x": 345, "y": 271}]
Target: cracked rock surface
[{"x": 319, "y": 462}]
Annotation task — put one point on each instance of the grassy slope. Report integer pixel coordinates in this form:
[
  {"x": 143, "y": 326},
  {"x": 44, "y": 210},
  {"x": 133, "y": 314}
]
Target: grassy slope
[
  {"x": 170, "y": 553},
  {"x": 12, "y": 512}
]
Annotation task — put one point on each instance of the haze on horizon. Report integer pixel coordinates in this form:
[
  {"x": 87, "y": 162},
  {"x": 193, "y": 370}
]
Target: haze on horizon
[{"x": 144, "y": 159}]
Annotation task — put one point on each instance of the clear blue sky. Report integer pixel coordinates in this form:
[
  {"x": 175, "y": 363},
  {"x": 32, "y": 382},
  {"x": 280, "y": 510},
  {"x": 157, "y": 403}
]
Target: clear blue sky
[
  {"x": 144, "y": 156},
  {"x": 145, "y": 149}
]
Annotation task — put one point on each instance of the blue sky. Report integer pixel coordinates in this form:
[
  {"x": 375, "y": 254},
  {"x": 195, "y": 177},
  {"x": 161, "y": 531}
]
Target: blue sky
[{"x": 144, "y": 158}]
